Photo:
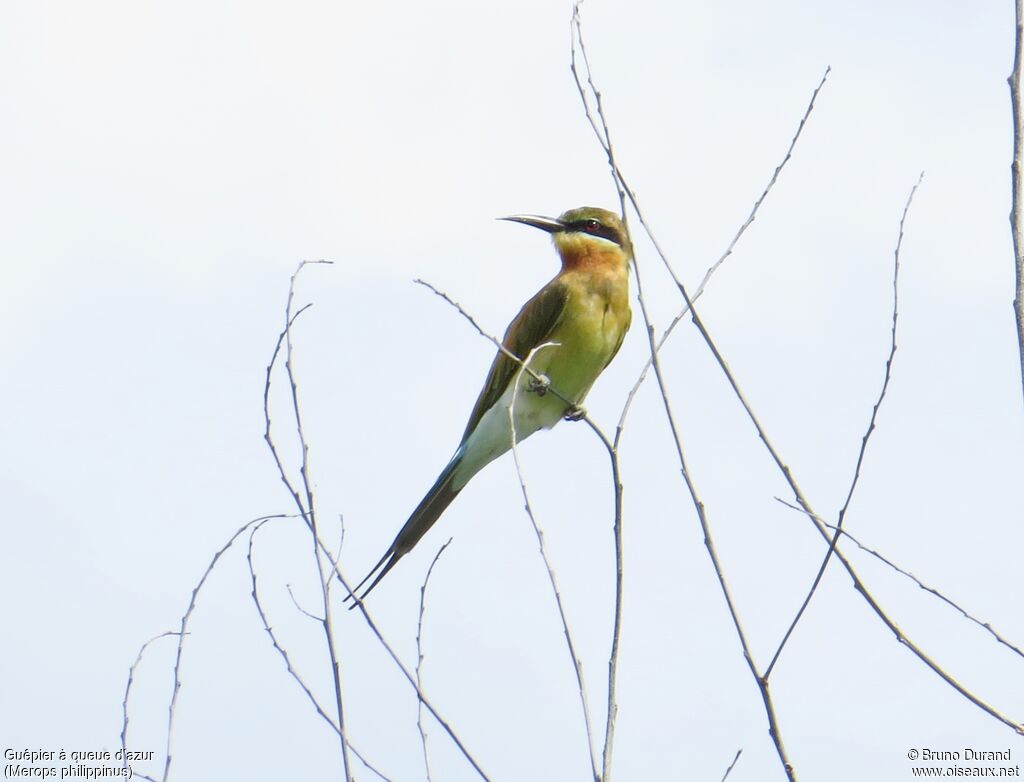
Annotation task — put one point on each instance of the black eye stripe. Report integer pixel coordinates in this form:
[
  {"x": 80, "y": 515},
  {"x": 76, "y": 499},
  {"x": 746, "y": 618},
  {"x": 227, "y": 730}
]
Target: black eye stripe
[{"x": 588, "y": 227}]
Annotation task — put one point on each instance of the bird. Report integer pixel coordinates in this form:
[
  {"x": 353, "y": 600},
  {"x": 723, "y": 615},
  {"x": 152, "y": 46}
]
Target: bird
[{"x": 573, "y": 327}]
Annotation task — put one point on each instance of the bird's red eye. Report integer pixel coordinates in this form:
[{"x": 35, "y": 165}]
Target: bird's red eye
[{"x": 591, "y": 226}]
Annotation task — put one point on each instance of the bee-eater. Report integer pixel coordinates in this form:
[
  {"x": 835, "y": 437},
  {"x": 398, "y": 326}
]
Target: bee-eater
[{"x": 577, "y": 321}]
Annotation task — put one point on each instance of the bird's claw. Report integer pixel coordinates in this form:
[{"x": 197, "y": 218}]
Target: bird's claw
[
  {"x": 540, "y": 384},
  {"x": 575, "y": 413}
]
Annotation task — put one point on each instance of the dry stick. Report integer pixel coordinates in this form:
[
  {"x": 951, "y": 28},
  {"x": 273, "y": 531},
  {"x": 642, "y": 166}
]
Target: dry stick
[
  {"x": 867, "y": 435},
  {"x": 612, "y": 447},
  {"x": 907, "y": 574},
  {"x": 267, "y": 436},
  {"x": 335, "y": 569},
  {"x": 602, "y": 134},
  {"x": 127, "y": 693},
  {"x": 576, "y": 663},
  {"x": 764, "y": 194},
  {"x": 299, "y": 608},
  {"x": 309, "y": 508},
  {"x": 605, "y": 141},
  {"x": 735, "y": 240},
  {"x": 732, "y": 765},
  {"x": 859, "y": 586},
  {"x": 1017, "y": 196},
  {"x": 794, "y": 487},
  {"x": 407, "y": 673},
  {"x": 823, "y": 530},
  {"x": 535, "y": 375},
  {"x": 709, "y": 543},
  {"x": 284, "y": 652},
  {"x": 419, "y": 656},
  {"x": 182, "y": 632},
  {"x": 273, "y": 636}
]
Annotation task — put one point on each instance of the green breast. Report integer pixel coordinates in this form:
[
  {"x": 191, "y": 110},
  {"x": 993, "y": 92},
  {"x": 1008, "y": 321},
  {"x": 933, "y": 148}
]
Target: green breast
[{"x": 590, "y": 331}]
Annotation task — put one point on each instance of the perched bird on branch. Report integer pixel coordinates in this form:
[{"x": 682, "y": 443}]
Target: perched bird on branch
[{"x": 573, "y": 328}]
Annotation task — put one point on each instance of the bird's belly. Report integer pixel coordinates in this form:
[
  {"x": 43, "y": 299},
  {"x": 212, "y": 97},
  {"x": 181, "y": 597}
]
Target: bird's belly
[{"x": 494, "y": 435}]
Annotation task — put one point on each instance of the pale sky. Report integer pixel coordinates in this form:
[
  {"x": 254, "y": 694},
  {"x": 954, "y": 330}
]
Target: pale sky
[{"x": 166, "y": 166}]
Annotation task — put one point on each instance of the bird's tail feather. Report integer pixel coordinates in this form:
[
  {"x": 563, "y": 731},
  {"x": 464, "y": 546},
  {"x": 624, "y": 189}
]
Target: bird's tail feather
[{"x": 422, "y": 519}]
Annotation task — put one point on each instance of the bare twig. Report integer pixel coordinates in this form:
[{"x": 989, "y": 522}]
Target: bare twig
[
  {"x": 299, "y": 608},
  {"x": 292, "y": 671},
  {"x": 732, "y": 245},
  {"x": 127, "y": 694},
  {"x": 182, "y": 632},
  {"x": 732, "y": 765},
  {"x": 273, "y": 636},
  {"x": 576, "y": 662},
  {"x": 613, "y": 654},
  {"x": 867, "y": 435},
  {"x": 307, "y": 506},
  {"x": 907, "y": 574},
  {"x": 267, "y": 435},
  {"x": 497, "y": 342},
  {"x": 419, "y": 657},
  {"x": 764, "y": 194},
  {"x": 903, "y": 639},
  {"x": 327, "y": 564},
  {"x": 408, "y": 674},
  {"x": 822, "y": 529},
  {"x": 1017, "y": 188},
  {"x": 603, "y": 136}
]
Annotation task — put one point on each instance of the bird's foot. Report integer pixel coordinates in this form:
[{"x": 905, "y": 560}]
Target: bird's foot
[
  {"x": 575, "y": 413},
  {"x": 540, "y": 385}
]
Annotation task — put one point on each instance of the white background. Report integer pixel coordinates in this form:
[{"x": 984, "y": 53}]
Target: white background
[{"x": 165, "y": 166}]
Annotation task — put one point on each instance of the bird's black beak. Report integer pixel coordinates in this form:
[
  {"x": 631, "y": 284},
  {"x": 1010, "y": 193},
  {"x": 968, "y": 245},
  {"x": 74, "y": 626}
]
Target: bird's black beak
[{"x": 549, "y": 224}]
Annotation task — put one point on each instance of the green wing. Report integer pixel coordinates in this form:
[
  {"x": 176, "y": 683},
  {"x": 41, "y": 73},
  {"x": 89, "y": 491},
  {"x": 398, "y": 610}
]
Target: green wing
[
  {"x": 622, "y": 336},
  {"x": 531, "y": 327}
]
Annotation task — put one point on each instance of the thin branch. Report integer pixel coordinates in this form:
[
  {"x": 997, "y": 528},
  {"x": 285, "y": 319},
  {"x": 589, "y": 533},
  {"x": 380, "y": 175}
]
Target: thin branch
[
  {"x": 307, "y": 510},
  {"x": 604, "y": 139},
  {"x": 292, "y": 671},
  {"x": 406, "y": 672},
  {"x": 299, "y": 608},
  {"x": 497, "y": 342},
  {"x": 576, "y": 662},
  {"x": 867, "y": 435},
  {"x": 613, "y": 654},
  {"x": 267, "y": 435},
  {"x": 307, "y": 506},
  {"x": 127, "y": 694},
  {"x": 732, "y": 765},
  {"x": 182, "y": 632},
  {"x": 419, "y": 657},
  {"x": 273, "y": 636},
  {"x": 1017, "y": 188},
  {"x": 903, "y": 639},
  {"x": 603, "y": 134},
  {"x": 822, "y": 529},
  {"x": 764, "y": 194},
  {"x": 907, "y": 574},
  {"x": 732, "y": 245}
]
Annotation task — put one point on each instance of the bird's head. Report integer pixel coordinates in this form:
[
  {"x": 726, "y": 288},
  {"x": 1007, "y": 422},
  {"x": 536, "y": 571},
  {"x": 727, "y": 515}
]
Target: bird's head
[{"x": 586, "y": 235}]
